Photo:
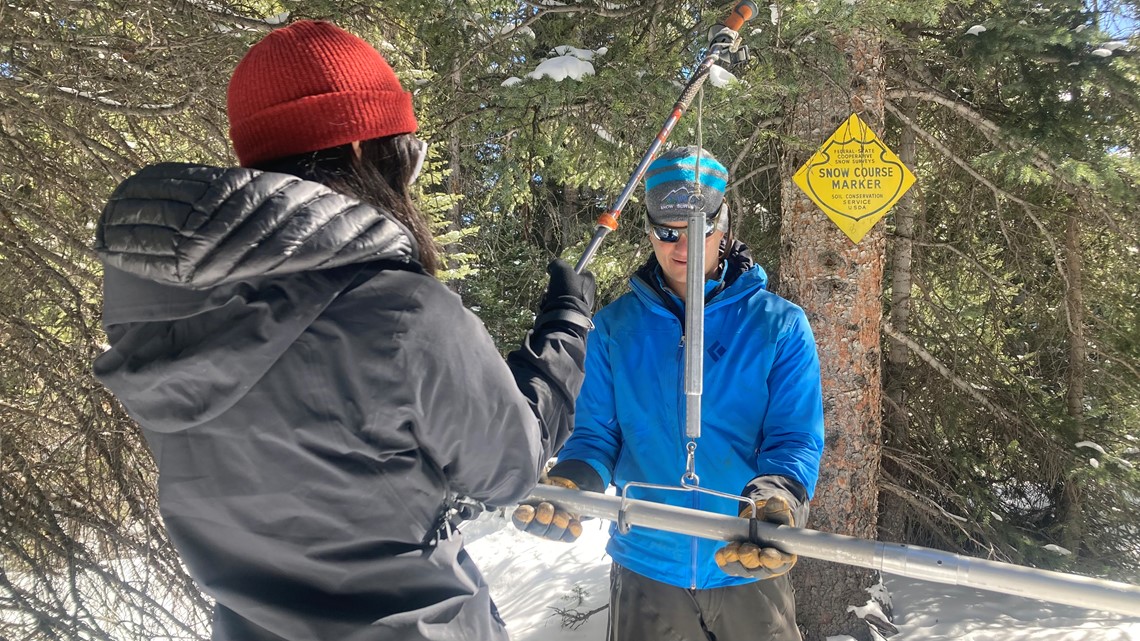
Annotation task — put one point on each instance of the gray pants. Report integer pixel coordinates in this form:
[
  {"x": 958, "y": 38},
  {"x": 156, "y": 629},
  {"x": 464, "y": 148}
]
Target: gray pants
[{"x": 642, "y": 609}]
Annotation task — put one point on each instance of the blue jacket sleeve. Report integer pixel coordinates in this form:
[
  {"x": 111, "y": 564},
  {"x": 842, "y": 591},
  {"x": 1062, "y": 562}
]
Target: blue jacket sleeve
[
  {"x": 792, "y": 433},
  {"x": 596, "y": 440}
]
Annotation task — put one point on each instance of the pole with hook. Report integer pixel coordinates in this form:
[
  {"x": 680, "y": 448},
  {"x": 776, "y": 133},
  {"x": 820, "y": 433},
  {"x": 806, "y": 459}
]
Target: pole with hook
[{"x": 725, "y": 43}]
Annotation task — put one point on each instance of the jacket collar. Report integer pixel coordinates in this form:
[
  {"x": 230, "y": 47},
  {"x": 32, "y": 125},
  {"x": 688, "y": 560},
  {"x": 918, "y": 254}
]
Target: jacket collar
[{"x": 739, "y": 275}]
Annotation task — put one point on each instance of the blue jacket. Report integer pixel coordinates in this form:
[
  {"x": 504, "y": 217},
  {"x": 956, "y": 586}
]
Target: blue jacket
[{"x": 761, "y": 409}]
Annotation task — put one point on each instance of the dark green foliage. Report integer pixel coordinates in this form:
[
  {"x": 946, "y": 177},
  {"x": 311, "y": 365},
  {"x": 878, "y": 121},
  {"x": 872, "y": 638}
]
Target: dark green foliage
[{"x": 1040, "y": 134}]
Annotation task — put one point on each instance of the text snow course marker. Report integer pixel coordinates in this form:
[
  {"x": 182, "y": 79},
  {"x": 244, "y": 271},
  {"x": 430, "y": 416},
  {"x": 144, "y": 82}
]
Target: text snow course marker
[{"x": 854, "y": 178}]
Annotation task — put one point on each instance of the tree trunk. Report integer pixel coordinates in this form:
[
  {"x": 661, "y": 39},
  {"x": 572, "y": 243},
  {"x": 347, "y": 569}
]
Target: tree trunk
[
  {"x": 1072, "y": 520},
  {"x": 893, "y": 517},
  {"x": 839, "y": 285},
  {"x": 902, "y": 253},
  {"x": 569, "y": 215},
  {"x": 454, "y": 176}
]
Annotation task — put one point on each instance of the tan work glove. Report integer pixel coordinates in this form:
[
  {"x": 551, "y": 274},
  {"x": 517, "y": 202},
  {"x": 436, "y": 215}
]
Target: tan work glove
[
  {"x": 546, "y": 520},
  {"x": 751, "y": 560}
]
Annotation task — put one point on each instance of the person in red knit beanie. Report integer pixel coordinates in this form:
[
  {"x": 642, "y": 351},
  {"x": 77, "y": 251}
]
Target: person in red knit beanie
[
  {"x": 318, "y": 404},
  {"x": 312, "y": 86}
]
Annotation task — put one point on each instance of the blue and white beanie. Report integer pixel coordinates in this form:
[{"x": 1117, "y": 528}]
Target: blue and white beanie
[{"x": 671, "y": 186}]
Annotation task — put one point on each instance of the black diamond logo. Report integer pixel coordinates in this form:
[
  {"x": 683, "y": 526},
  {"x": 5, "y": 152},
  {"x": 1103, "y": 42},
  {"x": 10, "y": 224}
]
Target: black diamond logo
[{"x": 716, "y": 350}]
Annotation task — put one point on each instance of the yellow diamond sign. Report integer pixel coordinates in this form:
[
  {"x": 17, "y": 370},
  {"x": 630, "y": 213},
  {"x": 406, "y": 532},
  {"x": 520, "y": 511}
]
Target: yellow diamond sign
[{"x": 854, "y": 178}]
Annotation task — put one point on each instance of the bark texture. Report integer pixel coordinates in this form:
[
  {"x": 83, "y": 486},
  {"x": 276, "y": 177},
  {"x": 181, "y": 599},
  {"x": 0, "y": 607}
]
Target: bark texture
[
  {"x": 839, "y": 285},
  {"x": 896, "y": 375}
]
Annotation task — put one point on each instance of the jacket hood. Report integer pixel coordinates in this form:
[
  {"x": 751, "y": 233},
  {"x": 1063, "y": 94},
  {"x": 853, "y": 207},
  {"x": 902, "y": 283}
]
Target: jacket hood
[
  {"x": 197, "y": 226},
  {"x": 211, "y": 274},
  {"x": 182, "y": 357}
]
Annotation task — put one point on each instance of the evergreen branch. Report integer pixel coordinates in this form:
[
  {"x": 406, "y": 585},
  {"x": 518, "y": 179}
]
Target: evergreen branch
[
  {"x": 925, "y": 507},
  {"x": 1118, "y": 359},
  {"x": 38, "y": 416},
  {"x": 35, "y": 254},
  {"x": 553, "y": 6},
  {"x": 45, "y": 222},
  {"x": 929, "y": 95},
  {"x": 80, "y": 140},
  {"x": 760, "y": 127},
  {"x": 937, "y": 366},
  {"x": 955, "y": 323},
  {"x": 573, "y": 619},
  {"x": 1058, "y": 259},
  {"x": 993, "y": 131},
  {"x": 926, "y": 504},
  {"x": 259, "y": 25},
  {"x": 90, "y": 99},
  {"x": 740, "y": 181},
  {"x": 543, "y": 11},
  {"x": 113, "y": 106},
  {"x": 1117, "y": 380},
  {"x": 50, "y": 260},
  {"x": 993, "y": 279}
]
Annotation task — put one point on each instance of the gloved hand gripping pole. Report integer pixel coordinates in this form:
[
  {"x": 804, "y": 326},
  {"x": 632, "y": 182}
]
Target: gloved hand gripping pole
[{"x": 724, "y": 44}]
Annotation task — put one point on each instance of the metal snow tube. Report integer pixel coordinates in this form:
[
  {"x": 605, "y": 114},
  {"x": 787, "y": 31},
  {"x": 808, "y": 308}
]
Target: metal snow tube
[
  {"x": 892, "y": 558},
  {"x": 694, "y": 318}
]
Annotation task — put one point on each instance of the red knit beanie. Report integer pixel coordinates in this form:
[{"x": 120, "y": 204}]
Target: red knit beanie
[{"x": 310, "y": 86}]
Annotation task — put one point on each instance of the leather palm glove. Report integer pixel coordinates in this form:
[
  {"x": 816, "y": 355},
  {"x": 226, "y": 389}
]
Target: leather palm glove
[
  {"x": 547, "y": 520},
  {"x": 779, "y": 500}
]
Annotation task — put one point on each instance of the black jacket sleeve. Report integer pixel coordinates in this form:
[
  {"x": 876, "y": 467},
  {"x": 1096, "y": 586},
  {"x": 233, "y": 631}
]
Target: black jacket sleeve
[
  {"x": 581, "y": 473},
  {"x": 549, "y": 367},
  {"x": 491, "y": 426}
]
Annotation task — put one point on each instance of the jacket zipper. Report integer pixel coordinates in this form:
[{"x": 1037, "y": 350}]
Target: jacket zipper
[{"x": 678, "y": 314}]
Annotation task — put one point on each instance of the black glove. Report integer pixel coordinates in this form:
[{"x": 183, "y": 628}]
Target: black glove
[
  {"x": 569, "y": 296},
  {"x": 564, "y": 281},
  {"x": 779, "y": 500},
  {"x": 546, "y": 520}
]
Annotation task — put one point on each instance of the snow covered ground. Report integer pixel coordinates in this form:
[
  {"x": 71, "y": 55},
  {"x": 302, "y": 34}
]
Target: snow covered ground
[{"x": 530, "y": 577}]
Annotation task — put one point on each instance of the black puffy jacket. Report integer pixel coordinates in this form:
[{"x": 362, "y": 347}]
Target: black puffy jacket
[{"x": 313, "y": 400}]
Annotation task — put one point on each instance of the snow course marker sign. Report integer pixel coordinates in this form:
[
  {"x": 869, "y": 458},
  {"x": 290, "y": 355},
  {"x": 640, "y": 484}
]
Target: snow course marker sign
[{"x": 854, "y": 178}]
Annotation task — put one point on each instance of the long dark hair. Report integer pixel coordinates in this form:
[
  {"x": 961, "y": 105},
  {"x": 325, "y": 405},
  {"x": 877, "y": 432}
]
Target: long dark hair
[{"x": 378, "y": 176}]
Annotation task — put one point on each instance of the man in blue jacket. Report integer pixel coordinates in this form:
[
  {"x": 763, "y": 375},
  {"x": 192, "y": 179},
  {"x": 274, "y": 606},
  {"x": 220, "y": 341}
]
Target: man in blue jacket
[{"x": 761, "y": 428}]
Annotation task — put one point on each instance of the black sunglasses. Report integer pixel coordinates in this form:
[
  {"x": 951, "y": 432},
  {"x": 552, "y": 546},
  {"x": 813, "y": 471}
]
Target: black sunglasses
[{"x": 673, "y": 234}]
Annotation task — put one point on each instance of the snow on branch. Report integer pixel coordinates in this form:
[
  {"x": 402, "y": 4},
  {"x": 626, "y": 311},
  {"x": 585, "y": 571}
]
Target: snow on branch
[
  {"x": 220, "y": 12},
  {"x": 93, "y": 99},
  {"x": 603, "y": 9},
  {"x": 1092, "y": 446},
  {"x": 545, "y": 8},
  {"x": 561, "y": 68},
  {"x": 108, "y": 104}
]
